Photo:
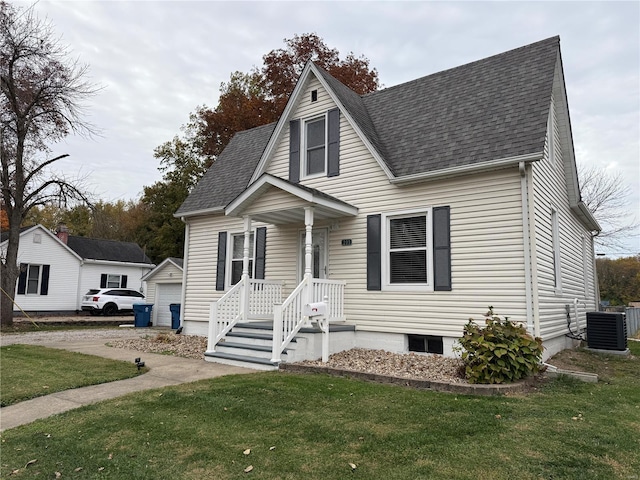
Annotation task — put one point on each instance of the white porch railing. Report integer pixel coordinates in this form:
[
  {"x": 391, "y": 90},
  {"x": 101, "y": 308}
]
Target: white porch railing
[
  {"x": 288, "y": 318},
  {"x": 241, "y": 304}
]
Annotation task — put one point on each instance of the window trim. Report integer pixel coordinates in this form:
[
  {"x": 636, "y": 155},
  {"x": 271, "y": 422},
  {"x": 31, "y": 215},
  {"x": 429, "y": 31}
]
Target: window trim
[
  {"x": 119, "y": 286},
  {"x": 38, "y": 280},
  {"x": 303, "y": 146},
  {"x": 385, "y": 251},
  {"x": 555, "y": 251},
  {"x": 229, "y": 258}
]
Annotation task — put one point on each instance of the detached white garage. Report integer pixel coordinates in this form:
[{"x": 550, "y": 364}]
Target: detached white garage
[{"x": 164, "y": 287}]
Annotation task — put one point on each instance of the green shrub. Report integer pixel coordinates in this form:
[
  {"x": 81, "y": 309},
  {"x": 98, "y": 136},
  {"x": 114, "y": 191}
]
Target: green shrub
[{"x": 500, "y": 352}]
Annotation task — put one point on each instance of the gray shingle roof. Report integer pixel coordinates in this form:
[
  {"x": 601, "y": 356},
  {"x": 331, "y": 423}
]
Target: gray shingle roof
[
  {"x": 486, "y": 110},
  {"x": 230, "y": 173},
  {"x": 111, "y": 250}
]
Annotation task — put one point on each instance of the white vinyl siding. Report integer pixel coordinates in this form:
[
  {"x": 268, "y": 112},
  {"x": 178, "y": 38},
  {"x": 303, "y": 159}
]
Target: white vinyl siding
[
  {"x": 550, "y": 186},
  {"x": 486, "y": 241},
  {"x": 64, "y": 270}
]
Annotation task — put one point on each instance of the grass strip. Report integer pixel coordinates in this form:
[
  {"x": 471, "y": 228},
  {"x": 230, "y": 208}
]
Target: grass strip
[{"x": 29, "y": 371}]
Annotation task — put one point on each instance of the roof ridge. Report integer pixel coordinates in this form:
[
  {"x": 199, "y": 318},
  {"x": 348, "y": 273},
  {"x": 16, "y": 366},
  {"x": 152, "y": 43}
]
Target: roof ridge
[{"x": 465, "y": 65}]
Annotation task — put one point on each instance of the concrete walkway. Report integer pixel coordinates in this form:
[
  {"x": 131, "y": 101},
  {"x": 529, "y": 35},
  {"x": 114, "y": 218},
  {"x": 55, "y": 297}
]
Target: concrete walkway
[{"x": 165, "y": 370}]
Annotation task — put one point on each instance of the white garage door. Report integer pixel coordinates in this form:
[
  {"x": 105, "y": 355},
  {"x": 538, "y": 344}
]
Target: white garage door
[{"x": 166, "y": 294}]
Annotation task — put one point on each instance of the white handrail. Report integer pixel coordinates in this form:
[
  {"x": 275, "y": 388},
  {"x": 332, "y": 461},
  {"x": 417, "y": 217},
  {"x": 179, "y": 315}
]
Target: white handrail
[
  {"x": 224, "y": 314},
  {"x": 288, "y": 318}
]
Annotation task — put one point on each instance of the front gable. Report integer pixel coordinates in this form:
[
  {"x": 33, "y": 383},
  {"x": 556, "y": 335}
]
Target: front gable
[{"x": 317, "y": 95}]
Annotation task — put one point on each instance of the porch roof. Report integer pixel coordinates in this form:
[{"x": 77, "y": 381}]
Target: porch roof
[{"x": 324, "y": 206}]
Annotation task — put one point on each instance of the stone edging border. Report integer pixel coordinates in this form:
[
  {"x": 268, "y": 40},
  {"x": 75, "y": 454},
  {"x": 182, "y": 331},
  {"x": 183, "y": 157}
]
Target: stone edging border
[{"x": 458, "y": 388}]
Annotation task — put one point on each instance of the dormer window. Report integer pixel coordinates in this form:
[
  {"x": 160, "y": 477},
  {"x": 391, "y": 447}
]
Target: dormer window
[{"x": 315, "y": 139}]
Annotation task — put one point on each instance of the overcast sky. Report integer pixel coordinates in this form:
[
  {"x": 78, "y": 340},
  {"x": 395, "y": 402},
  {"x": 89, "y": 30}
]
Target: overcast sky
[{"x": 157, "y": 61}]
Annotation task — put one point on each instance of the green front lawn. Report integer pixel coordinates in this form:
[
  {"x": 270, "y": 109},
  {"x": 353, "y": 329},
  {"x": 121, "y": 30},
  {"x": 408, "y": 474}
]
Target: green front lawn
[
  {"x": 29, "y": 371},
  {"x": 315, "y": 426}
]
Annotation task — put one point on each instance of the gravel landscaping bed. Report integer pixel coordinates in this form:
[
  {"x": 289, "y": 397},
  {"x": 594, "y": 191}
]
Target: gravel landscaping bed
[
  {"x": 168, "y": 343},
  {"x": 381, "y": 362}
]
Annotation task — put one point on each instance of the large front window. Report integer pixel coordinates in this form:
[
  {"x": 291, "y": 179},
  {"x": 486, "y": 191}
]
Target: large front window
[
  {"x": 408, "y": 249},
  {"x": 407, "y": 246},
  {"x": 237, "y": 256},
  {"x": 315, "y": 146}
]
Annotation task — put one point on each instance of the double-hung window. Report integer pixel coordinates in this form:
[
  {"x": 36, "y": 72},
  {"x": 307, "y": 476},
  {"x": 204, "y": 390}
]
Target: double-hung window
[
  {"x": 33, "y": 279},
  {"x": 407, "y": 251},
  {"x": 237, "y": 255},
  {"x": 315, "y": 149},
  {"x": 110, "y": 280}
]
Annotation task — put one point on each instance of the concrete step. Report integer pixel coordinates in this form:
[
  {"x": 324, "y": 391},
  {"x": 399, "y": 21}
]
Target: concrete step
[
  {"x": 240, "y": 360},
  {"x": 259, "y": 351}
]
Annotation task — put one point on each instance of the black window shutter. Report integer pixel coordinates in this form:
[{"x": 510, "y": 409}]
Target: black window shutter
[
  {"x": 374, "y": 275},
  {"x": 441, "y": 249},
  {"x": 22, "y": 280},
  {"x": 103, "y": 280},
  {"x": 261, "y": 248},
  {"x": 222, "y": 260},
  {"x": 123, "y": 281},
  {"x": 333, "y": 169},
  {"x": 44, "y": 285},
  {"x": 294, "y": 151}
]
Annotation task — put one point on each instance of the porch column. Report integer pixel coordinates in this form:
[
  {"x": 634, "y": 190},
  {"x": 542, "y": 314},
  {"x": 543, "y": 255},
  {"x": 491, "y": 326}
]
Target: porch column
[
  {"x": 308, "y": 240},
  {"x": 247, "y": 246},
  {"x": 244, "y": 295}
]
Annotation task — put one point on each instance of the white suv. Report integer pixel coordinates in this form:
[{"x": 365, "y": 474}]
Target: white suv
[{"x": 110, "y": 301}]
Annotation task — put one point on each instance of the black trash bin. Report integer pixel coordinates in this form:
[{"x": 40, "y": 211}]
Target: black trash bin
[
  {"x": 175, "y": 315},
  {"x": 142, "y": 314}
]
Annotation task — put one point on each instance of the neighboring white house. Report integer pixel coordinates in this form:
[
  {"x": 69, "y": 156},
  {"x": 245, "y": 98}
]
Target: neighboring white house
[
  {"x": 56, "y": 270},
  {"x": 412, "y": 208},
  {"x": 163, "y": 288}
]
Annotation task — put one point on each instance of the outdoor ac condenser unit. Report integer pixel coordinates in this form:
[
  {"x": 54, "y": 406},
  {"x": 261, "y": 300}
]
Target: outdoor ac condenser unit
[{"x": 606, "y": 331}]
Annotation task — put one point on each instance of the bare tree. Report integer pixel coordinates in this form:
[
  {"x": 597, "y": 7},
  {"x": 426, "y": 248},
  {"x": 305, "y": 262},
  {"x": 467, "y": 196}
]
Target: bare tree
[
  {"x": 607, "y": 195},
  {"x": 42, "y": 90}
]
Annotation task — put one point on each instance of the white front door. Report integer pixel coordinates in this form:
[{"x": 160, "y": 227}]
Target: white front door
[{"x": 319, "y": 253}]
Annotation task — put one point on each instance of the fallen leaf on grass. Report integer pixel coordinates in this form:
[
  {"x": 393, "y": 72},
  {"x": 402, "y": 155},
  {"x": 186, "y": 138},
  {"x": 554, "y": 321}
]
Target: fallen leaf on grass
[
  {"x": 30, "y": 462},
  {"x": 100, "y": 469},
  {"x": 353, "y": 466},
  {"x": 79, "y": 469},
  {"x": 15, "y": 472},
  {"x": 498, "y": 416},
  {"x": 272, "y": 448},
  {"x": 248, "y": 469},
  {"x": 58, "y": 475},
  {"x": 247, "y": 451},
  {"x": 111, "y": 456}
]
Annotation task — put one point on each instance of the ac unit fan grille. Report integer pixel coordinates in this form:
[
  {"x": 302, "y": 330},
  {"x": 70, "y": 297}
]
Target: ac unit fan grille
[{"x": 606, "y": 331}]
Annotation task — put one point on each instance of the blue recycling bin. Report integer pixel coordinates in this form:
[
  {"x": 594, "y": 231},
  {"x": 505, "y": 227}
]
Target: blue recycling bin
[
  {"x": 142, "y": 314},
  {"x": 175, "y": 315}
]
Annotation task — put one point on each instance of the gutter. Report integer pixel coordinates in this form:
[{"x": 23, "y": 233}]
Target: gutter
[
  {"x": 123, "y": 264},
  {"x": 587, "y": 218},
  {"x": 195, "y": 213},
  {"x": 465, "y": 169}
]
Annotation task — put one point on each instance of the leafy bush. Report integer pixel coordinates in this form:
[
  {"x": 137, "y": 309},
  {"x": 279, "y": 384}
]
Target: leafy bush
[{"x": 500, "y": 352}]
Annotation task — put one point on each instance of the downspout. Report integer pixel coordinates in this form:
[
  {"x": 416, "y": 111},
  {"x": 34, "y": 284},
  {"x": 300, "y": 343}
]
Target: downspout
[
  {"x": 79, "y": 289},
  {"x": 184, "y": 272},
  {"x": 524, "y": 198},
  {"x": 596, "y": 282}
]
